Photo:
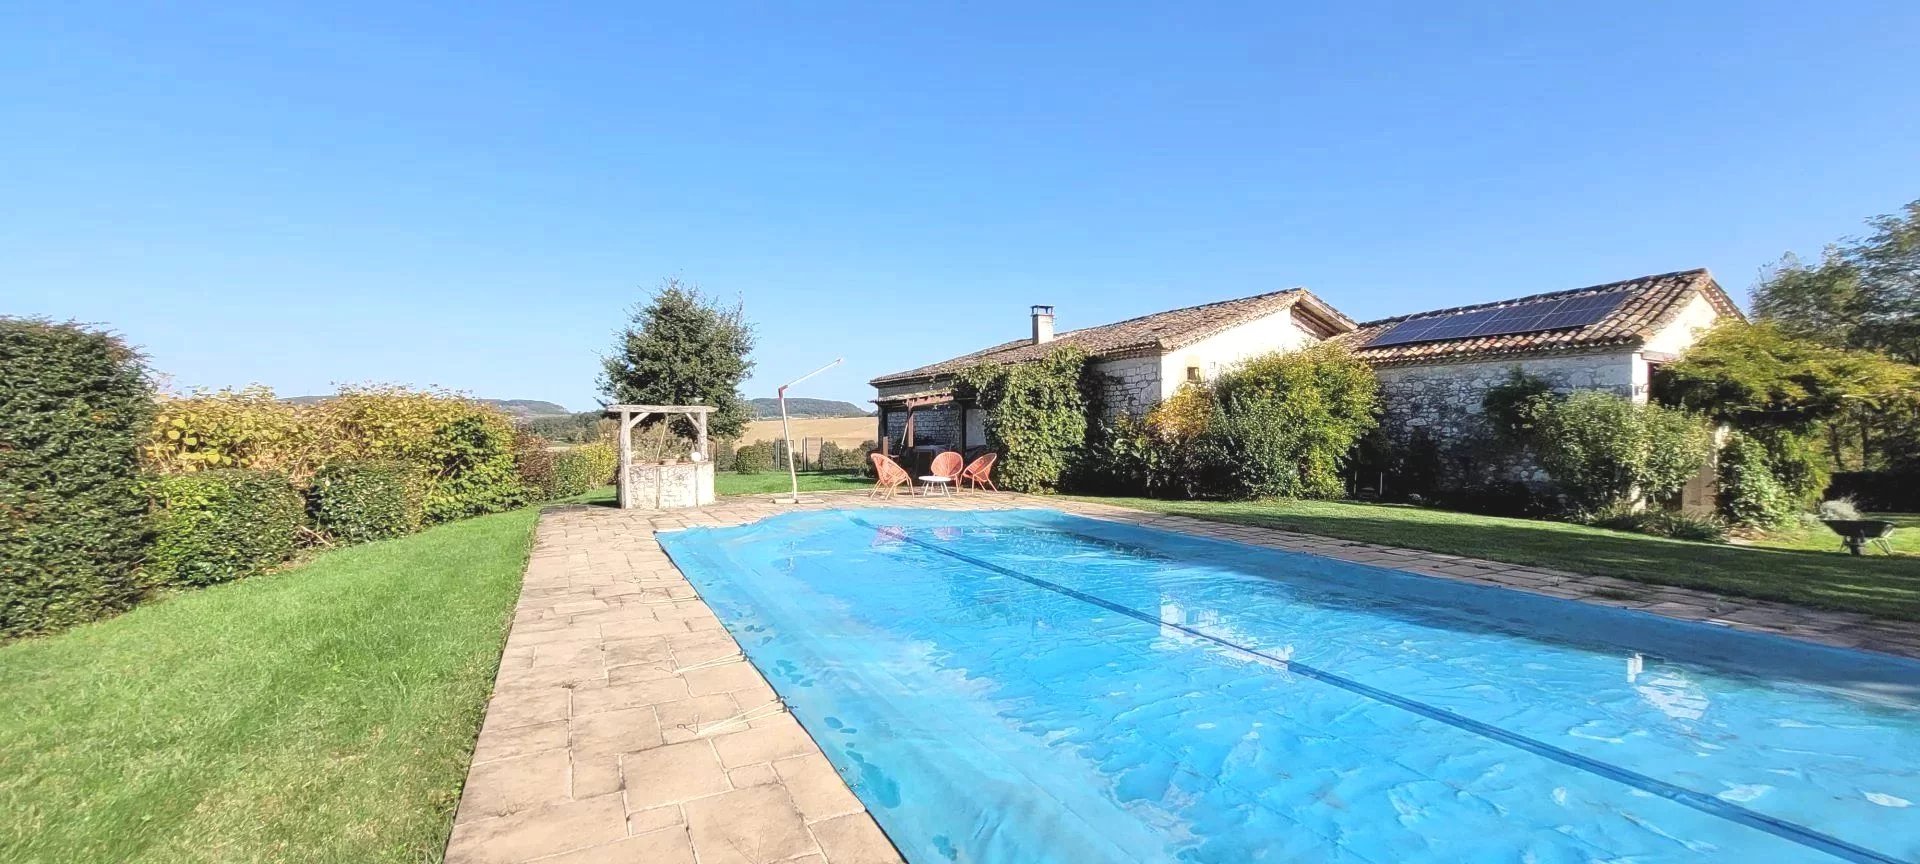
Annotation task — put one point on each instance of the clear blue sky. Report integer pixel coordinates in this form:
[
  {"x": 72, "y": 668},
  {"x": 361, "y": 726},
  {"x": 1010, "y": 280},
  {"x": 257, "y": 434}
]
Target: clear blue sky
[{"x": 471, "y": 195}]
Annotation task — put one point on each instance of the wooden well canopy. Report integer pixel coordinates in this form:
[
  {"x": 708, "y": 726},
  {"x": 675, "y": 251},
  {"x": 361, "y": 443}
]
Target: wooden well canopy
[{"x": 632, "y": 415}]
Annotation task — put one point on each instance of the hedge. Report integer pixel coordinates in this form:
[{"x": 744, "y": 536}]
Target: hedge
[
  {"x": 583, "y": 469},
  {"x": 367, "y": 499},
  {"x": 220, "y": 525},
  {"x": 74, "y": 406}
]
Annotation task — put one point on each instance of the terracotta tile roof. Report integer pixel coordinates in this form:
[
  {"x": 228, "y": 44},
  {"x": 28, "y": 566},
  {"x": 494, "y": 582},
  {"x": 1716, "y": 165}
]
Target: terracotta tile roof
[
  {"x": 1651, "y": 303},
  {"x": 1161, "y": 331}
]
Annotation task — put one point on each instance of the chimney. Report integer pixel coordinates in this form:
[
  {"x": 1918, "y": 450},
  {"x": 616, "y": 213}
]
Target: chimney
[{"x": 1042, "y": 325}]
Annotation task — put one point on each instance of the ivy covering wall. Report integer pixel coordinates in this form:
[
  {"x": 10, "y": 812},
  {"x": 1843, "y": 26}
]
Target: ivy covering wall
[{"x": 1036, "y": 416}]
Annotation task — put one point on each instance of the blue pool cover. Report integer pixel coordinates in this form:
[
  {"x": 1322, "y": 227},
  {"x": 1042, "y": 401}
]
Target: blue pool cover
[{"x": 1029, "y": 686}]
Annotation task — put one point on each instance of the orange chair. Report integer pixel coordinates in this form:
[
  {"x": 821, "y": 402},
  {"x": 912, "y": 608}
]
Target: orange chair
[
  {"x": 947, "y": 467},
  {"x": 888, "y": 476},
  {"x": 980, "y": 473}
]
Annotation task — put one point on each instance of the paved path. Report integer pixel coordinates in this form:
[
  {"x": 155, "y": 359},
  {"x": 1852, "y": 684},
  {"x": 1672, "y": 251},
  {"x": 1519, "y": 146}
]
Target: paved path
[{"x": 626, "y": 728}]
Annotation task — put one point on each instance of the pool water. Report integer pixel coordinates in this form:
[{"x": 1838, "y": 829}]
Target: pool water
[{"x": 1030, "y": 686}]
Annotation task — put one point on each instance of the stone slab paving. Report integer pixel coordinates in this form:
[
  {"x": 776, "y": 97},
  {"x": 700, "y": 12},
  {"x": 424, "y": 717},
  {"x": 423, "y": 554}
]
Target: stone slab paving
[{"x": 626, "y": 726}]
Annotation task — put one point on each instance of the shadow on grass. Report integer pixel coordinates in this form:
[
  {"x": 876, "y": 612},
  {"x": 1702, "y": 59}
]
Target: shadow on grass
[{"x": 1880, "y": 586}]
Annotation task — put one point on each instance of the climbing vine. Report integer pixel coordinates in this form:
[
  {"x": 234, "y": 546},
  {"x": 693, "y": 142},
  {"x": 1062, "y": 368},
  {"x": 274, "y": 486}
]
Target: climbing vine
[{"x": 1036, "y": 415}]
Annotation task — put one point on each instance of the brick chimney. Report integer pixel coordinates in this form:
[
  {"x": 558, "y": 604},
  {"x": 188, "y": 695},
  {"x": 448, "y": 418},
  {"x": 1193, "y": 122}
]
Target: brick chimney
[{"x": 1042, "y": 325}]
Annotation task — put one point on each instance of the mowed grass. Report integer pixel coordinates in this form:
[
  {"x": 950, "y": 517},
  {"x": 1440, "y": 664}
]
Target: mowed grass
[
  {"x": 325, "y": 713},
  {"x": 1797, "y": 573}
]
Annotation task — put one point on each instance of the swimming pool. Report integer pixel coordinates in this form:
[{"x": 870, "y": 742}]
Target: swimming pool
[{"x": 1029, "y": 686}]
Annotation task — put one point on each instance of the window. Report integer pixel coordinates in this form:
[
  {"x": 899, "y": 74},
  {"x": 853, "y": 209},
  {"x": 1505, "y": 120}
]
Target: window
[{"x": 1193, "y": 373}]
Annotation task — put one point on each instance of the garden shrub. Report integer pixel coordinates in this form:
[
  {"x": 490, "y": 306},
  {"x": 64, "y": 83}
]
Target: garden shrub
[
  {"x": 756, "y": 458},
  {"x": 219, "y": 525},
  {"x": 1750, "y": 493},
  {"x": 246, "y": 428},
  {"x": 1675, "y": 524},
  {"x": 1891, "y": 491},
  {"x": 358, "y": 500},
  {"x": 577, "y": 470},
  {"x": 74, "y": 406},
  {"x": 533, "y": 463},
  {"x": 1284, "y": 424},
  {"x": 1036, "y": 415},
  {"x": 1602, "y": 450}
]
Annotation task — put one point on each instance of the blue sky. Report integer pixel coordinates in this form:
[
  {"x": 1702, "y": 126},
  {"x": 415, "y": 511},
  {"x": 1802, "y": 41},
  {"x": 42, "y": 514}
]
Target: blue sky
[{"x": 471, "y": 195}]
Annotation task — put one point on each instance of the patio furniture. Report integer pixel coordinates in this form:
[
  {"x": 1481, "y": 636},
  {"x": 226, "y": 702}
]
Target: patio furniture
[
  {"x": 943, "y": 474},
  {"x": 1855, "y": 534},
  {"x": 980, "y": 472},
  {"x": 888, "y": 476}
]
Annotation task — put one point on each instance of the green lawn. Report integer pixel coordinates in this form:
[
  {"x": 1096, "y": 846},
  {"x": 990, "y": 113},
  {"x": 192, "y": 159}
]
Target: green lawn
[
  {"x": 730, "y": 483},
  {"x": 1787, "y": 571},
  {"x": 325, "y": 713}
]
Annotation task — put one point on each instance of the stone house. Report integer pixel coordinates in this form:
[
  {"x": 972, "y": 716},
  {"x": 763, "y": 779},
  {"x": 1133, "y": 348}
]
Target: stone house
[
  {"x": 1141, "y": 361},
  {"x": 1434, "y": 366}
]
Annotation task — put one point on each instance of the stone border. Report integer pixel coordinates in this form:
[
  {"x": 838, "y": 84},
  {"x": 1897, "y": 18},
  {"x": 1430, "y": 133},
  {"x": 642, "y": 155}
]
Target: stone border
[{"x": 627, "y": 727}]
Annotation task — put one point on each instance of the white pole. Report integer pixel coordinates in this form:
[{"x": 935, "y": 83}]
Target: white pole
[{"x": 793, "y": 474}]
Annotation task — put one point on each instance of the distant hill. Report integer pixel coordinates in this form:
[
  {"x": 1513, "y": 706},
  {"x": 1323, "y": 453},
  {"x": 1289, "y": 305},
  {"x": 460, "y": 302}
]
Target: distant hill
[
  {"x": 518, "y": 409},
  {"x": 802, "y": 407}
]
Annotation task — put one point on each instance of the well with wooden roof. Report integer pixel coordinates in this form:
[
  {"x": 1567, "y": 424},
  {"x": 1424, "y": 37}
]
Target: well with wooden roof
[{"x": 663, "y": 480}]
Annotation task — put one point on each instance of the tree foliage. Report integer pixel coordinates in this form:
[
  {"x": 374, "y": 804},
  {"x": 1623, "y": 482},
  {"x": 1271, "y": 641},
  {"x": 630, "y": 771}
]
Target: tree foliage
[
  {"x": 1036, "y": 415},
  {"x": 1864, "y": 293},
  {"x": 681, "y": 348},
  {"x": 1756, "y": 375},
  {"x": 74, "y": 406}
]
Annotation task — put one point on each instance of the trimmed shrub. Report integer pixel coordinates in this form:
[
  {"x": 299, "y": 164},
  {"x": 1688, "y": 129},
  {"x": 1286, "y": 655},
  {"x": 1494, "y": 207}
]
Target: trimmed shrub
[
  {"x": 74, "y": 407},
  {"x": 367, "y": 499},
  {"x": 220, "y": 525},
  {"x": 1602, "y": 450},
  {"x": 581, "y": 469},
  {"x": 1517, "y": 407},
  {"x": 756, "y": 458},
  {"x": 1750, "y": 494}
]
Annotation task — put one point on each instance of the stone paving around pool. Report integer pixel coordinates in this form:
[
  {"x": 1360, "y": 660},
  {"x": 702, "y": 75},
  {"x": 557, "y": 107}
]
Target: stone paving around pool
[{"x": 627, "y": 728}]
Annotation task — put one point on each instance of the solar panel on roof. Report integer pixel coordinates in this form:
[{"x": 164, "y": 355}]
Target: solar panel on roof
[{"x": 1551, "y": 314}]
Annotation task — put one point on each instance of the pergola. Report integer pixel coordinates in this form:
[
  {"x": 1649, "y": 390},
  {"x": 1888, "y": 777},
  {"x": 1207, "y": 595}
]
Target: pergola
[
  {"x": 632, "y": 415},
  {"x": 912, "y": 402}
]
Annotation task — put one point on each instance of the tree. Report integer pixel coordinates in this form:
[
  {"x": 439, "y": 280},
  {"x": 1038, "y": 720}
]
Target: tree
[
  {"x": 1865, "y": 292},
  {"x": 683, "y": 349},
  {"x": 1755, "y": 375}
]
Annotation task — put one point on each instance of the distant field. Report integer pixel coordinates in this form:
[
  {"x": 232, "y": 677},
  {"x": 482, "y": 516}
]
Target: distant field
[{"x": 844, "y": 431}]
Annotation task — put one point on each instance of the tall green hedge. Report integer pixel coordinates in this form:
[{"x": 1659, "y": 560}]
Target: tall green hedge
[
  {"x": 74, "y": 406},
  {"x": 358, "y": 500},
  {"x": 583, "y": 469},
  {"x": 221, "y": 525}
]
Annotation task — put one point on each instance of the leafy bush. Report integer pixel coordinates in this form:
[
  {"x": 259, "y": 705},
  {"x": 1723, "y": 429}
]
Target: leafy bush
[
  {"x": 463, "y": 449},
  {"x": 1285, "y": 423},
  {"x": 581, "y": 469},
  {"x": 74, "y": 407},
  {"x": 1499, "y": 498},
  {"x": 755, "y": 458},
  {"x": 219, "y": 525},
  {"x": 533, "y": 463},
  {"x": 1036, "y": 415},
  {"x": 1662, "y": 523},
  {"x": 1602, "y": 450},
  {"x": 834, "y": 457},
  {"x": 246, "y": 428},
  {"x": 1750, "y": 494},
  {"x": 359, "y": 500}
]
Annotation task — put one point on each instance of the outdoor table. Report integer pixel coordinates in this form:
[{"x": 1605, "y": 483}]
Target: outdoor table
[{"x": 930, "y": 482}]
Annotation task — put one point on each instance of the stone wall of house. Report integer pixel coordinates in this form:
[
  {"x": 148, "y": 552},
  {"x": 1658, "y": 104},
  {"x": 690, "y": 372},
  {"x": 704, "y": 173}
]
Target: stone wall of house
[
  {"x": 1129, "y": 385},
  {"x": 1440, "y": 404},
  {"x": 936, "y": 425}
]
